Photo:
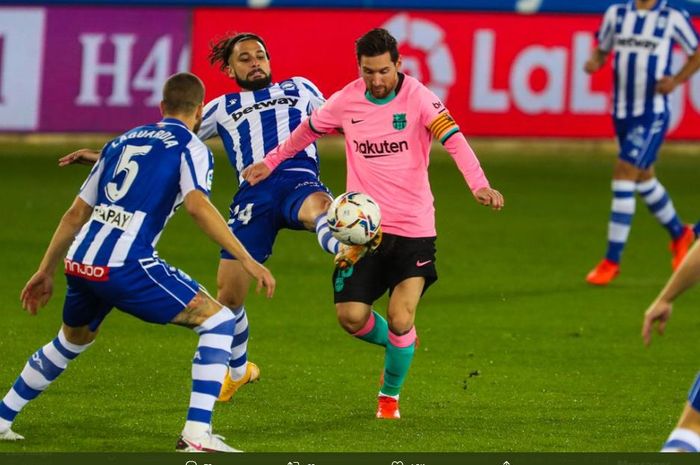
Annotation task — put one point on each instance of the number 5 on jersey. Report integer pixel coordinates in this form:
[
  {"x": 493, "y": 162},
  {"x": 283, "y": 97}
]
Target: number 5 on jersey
[{"x": 130, "y": 167}]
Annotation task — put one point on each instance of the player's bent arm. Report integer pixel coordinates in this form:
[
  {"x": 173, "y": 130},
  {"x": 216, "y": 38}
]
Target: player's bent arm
[
  {"x": 659, "y": 312},
  {"x": 82, "y": 156},
  {"x": 668, "y": 83},
  {"x": 462, "y": 153},
  {"x": 689, "y": 68},
  {"x": 303, "y": 136},
  {"x": 73, "y": 219},
  {"x": 687, "y": 275},
  {"x": 458, "y": 147},
  {"x": 595, "y": 61},
  {"x": 39, "y": 288},
  {"x": 213, "y": 225}
]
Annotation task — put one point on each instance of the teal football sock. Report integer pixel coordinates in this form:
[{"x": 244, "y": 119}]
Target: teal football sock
[
  {"x": 397, "y": 361},
  {"x": 376, "y": 330}
]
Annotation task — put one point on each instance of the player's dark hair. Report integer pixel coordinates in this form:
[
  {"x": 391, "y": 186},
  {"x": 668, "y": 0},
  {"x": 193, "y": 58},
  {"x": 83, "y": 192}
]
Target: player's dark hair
[
  {"x": 377, "y": 42},
  {"x": 220, "y": 51},
  {"x": 182, "y": 94}
]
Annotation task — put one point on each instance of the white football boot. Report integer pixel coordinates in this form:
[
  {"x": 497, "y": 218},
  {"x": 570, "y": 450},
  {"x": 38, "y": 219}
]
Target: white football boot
[
  {"x": 9, "y": 435},
  {"x": 206, "y": 443}
]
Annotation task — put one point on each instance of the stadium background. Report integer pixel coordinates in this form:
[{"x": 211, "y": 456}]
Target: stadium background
[
  {"x": 502, "y": 73},
  {"x": 518, "y": 353}
]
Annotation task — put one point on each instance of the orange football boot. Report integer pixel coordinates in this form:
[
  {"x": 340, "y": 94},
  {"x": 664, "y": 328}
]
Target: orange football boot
[
  {"x": 603, "y": 273},
  {"x": 388, "y": 408},
  {"x": 679, "y": 247}
]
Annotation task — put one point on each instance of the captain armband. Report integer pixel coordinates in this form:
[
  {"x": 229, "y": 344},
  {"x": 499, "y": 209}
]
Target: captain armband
[{"x": 443, "y": 127}]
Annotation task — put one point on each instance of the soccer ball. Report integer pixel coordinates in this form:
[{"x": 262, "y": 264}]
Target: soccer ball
[{"x": 354, "y": 218}]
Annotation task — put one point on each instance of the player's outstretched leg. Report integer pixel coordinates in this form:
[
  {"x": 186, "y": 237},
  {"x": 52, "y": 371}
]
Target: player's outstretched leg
[
  {"x": 361, "y": 321},
  {"x": 622, "y": 212},
  {"x": 682, "y": 440},
  {"x": 375, "y": 331},
  {"x": 240, "y": 370},
  {"x": 215, "y": 325},
  {"x": 42, "y": 368},
  {"x": 686, "y": 436},
  {"x": 325, "y": 237},
  {"x": 660, "y": 205},
  {"x": 233, "y": 283}
]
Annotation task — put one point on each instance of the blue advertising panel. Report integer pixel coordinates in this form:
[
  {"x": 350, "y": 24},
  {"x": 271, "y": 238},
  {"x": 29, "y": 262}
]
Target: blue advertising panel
[{"x": 519, "y": 6}]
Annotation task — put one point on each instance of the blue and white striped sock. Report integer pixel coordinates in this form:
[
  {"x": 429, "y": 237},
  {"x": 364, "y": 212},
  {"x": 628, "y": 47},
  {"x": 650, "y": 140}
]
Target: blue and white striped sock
[
  {"x": 682, "y": 440},
  {"x": 323, "y": 233},
  {"x": 694, "y": 394},
  {"x": 239, "y": 346},
  {"x": 42, "y": 368},
  {"x": 622, "y": 211},
  {"x": 208, "y": 370},
  {"x": 660, "y": 204}
]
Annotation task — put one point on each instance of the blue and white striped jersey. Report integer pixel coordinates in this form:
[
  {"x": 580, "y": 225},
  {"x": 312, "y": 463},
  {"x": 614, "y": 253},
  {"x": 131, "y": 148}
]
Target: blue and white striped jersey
[
  {"x": 140, "y": 179},
  {"x": 251, "y": 123},
  {"x": 642, "y": 41}
]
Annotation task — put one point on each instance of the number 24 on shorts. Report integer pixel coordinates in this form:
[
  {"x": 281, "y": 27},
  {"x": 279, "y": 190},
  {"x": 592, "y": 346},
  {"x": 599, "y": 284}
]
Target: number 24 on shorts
[{"x": 243, "y": 215}]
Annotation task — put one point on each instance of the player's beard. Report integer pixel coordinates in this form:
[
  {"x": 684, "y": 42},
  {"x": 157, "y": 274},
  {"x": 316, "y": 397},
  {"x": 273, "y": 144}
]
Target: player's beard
[
  {"x": 254, "y": 84},
  {"x": 379, "y": 92}
]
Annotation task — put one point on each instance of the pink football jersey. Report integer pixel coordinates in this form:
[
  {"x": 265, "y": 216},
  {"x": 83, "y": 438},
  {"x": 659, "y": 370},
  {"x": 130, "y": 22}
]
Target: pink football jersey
[{"x": 387, "y": 144}]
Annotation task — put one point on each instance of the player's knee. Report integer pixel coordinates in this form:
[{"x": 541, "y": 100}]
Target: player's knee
[
  {"x": 197, "y": 302},
  {"x": 646, "y": 174},
  {"x": 231, "y": 292},
  {"x": 400, "y": 323},
  {"x": 351, "y": 323},
  {"x": 202, "y": 306},
  {"x": 625, "y": 171},
  {"x": 79, "y": 336},
  {"x": 229, "y": 299},
  {"x": 316, "y": 204},
  {"x": 200, "y": 309},
  {"x": 324, "y": 205}
]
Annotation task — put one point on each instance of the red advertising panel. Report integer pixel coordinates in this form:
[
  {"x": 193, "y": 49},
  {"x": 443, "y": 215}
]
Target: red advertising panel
[{"x": 499, "y": 74}]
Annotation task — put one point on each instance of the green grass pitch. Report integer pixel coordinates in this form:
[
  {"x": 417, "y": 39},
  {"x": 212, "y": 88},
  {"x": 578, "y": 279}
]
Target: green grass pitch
[{"x": 517, "y": 352}]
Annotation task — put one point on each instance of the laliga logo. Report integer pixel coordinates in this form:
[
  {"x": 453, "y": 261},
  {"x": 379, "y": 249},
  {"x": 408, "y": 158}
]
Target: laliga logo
[{"x": 427, "y": 37}]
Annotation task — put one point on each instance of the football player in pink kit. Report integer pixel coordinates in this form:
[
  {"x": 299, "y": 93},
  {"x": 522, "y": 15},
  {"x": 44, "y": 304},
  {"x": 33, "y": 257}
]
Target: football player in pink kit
[{"x": 389, "y": 120}]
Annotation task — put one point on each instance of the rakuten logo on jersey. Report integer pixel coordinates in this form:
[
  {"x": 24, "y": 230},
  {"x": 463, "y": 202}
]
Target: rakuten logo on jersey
[
  {"x": 89, "y": 272},
  {"x": 238, "y": 114},
  {"x": 379, "y": 149}
]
